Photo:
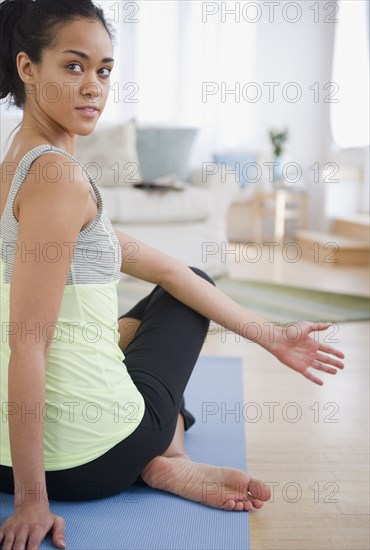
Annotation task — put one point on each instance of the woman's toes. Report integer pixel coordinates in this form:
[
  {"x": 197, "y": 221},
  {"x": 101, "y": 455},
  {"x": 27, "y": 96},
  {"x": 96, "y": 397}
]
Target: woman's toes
[
  {"x": 257, "y": 503},
  {"x": 258, "y": 490},
  {"x": 248, "y": 505},
  {"x": 238, "y": 505},
  {"x": 229, "y": 505}
]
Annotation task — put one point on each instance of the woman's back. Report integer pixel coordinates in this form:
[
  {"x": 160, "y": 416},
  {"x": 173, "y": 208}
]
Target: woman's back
[
  {"x": 18, "y": 149},
  {"x": 87, "y": 385}
]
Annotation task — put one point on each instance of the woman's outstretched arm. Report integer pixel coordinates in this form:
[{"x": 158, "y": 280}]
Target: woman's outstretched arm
[{"x": 292, "y": 345}]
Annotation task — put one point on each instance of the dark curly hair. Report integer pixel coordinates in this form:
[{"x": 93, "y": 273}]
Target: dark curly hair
[{"x": 30, "y": 26}]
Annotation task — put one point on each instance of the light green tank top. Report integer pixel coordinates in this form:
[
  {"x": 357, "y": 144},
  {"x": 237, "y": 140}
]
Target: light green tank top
[{"x": 91, "y": 401}]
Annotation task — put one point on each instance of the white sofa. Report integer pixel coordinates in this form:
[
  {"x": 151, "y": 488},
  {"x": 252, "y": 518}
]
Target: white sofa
[
  {"x": 188, "y": 224},
  {"x": 191, "y": 224}
]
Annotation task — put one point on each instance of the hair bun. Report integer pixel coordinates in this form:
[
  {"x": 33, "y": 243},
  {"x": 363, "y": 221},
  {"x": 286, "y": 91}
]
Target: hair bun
[{"x": 15, "y": 7}]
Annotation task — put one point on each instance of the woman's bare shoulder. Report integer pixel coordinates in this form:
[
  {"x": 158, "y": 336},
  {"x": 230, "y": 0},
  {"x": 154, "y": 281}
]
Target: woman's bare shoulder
[{"x": 19, "y": 148}]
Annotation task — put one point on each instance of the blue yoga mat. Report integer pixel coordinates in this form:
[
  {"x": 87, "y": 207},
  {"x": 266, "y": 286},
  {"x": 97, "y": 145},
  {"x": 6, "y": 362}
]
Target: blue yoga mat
[{"x": 142, "y": 518}]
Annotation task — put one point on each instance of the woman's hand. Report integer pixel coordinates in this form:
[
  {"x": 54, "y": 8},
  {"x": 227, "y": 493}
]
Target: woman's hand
[
  {"x": 294, "y": 347},
  {"x": 27, "y": 527}
]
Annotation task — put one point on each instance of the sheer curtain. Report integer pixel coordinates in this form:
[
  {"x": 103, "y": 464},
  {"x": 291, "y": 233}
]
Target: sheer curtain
[
  {"x": 184, "y": 67},
  {"x": 350, "y": 115}
]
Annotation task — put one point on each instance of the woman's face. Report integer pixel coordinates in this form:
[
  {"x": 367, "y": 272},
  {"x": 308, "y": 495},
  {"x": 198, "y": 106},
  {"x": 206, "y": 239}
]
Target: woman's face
[{"x": 67, "y": 80}]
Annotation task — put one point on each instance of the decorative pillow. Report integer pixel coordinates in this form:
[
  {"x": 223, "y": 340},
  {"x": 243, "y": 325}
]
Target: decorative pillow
[
  {"x": 110, "y": 156},
  {"x": 164, "y": 150}
]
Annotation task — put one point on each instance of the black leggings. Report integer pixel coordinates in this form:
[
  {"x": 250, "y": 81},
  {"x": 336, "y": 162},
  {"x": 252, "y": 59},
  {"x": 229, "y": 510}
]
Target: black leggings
[{"x": 160, "y": 359}]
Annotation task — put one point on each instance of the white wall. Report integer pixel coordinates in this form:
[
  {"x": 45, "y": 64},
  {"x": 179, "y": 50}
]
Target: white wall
[{"x": 298, "y": 52}]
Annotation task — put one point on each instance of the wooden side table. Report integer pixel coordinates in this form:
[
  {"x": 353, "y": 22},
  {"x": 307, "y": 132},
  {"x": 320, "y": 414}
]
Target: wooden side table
[{"x": 285, "y": 204}]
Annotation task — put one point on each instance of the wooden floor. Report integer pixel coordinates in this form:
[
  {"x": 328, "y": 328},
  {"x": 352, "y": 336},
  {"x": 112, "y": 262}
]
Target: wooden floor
[{"x": 309, "y": 442}]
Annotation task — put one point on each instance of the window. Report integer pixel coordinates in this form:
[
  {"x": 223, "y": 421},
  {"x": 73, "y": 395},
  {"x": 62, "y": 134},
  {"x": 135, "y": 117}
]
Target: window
[
  {"x": 349, "y": 117},
  {"x": 187, "y": 71}
]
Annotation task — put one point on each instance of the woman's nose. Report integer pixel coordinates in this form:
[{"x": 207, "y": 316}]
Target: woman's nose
[{"x": 91, "y": 87}]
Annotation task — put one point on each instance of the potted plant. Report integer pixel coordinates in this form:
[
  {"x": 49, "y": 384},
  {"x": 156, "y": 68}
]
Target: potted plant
[{"x": 278, "y": 138}]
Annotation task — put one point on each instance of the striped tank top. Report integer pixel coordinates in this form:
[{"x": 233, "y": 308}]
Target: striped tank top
[{"x": 91, "y": 400}]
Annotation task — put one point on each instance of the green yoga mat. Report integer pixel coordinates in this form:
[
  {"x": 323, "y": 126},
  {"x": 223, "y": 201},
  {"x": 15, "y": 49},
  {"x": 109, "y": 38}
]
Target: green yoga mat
[{"x": 274, "y": 302}]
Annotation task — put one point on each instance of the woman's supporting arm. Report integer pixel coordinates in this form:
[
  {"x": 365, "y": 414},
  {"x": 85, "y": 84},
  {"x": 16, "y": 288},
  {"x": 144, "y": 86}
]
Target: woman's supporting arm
[{"x": 26, "y": 399}]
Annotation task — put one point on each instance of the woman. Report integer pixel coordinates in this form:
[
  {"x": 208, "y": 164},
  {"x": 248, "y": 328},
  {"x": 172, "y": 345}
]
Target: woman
[{"x": 84, "y": 417}]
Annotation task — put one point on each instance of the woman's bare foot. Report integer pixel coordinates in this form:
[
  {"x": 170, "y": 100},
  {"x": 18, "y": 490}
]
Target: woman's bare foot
[{"x": 219, "y": 487}]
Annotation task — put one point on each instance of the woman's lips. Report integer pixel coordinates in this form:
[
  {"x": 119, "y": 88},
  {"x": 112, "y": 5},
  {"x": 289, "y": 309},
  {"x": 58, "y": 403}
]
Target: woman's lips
[{"x": 87, "y": 111}]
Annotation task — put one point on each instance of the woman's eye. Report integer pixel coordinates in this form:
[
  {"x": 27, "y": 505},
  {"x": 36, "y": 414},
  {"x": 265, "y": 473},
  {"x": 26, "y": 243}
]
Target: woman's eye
[
  {"x": 106, "y": 69},
  {"x": 103, "y": 69},
  {"x": 73, "y": 65}
]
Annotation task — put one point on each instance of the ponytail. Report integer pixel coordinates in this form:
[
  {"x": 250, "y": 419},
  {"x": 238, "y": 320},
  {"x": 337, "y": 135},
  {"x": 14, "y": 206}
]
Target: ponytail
[{"x": 11, "y": 13}]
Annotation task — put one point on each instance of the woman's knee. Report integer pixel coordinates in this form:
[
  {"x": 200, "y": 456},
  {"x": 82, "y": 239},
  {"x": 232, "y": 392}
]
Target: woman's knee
[{"x": 202, "y": 274}]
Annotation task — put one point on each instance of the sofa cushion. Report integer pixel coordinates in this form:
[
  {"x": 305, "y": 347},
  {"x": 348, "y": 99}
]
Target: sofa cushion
[
  {"x": 164, "y": 150},
  {"x": 131, "y": 205},
  {"x": 110, "y": 155}
]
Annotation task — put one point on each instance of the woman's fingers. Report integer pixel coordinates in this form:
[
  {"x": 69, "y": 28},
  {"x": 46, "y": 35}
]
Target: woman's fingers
[
  {"x": 8, "y": 541},
  {"x": 24, "y": 537},
  {"x": 323, "y": 347},
  {"x": 17, "y": 539},
  {"x": 326, "y": 360},
  {"x": 37, "y": 535},
  {"x": 332, "y": 351},
  {"x": 21, "y": 537},
  {"x": 319, "y": 326},
  {"x": 319, "y": 366},
  {"x": 321, "y": 363},
  {"x": 312, "y": 377},
  {"x": 58, "y": 532}
]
